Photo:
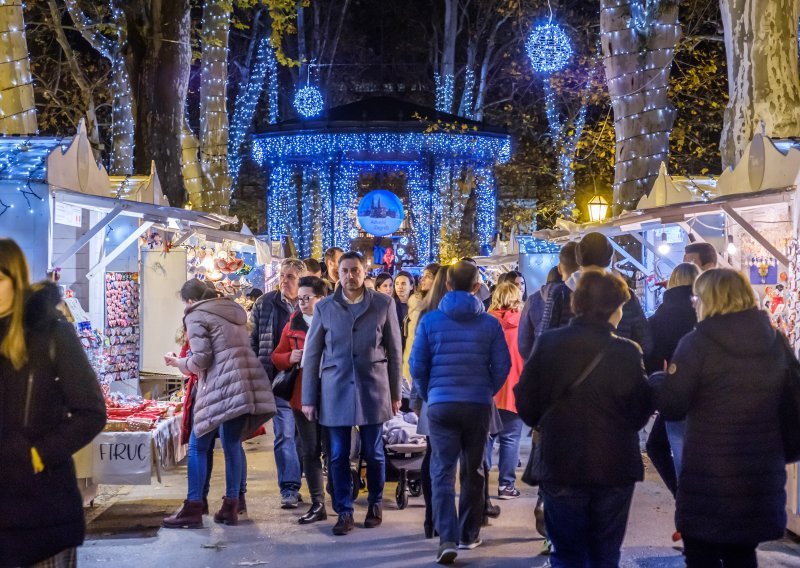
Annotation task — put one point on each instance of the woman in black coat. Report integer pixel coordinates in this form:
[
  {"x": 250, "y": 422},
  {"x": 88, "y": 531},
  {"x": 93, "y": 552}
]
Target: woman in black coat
[
  {"x": 674, "y": 318},
  {"x": 50, "y": 407},
  {"x": 588, "y": 459},
  {"x": 726, "y": 379}
]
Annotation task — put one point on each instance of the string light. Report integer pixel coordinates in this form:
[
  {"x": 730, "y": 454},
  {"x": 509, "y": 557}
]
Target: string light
[
  {"x": 4, "y": 207},
  {"x": 548, "y": 48},
  {"x": 265, "y": 66},
  {"x": 467, "y": 100},
  {"x": 308, "y": 101},
  {"x": 17, "y": 109},
  {"x": 445, "y": 87}
]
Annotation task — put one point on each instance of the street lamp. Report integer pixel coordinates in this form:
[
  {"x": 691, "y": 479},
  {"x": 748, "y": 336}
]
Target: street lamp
[{"x": 598, "y": 208}]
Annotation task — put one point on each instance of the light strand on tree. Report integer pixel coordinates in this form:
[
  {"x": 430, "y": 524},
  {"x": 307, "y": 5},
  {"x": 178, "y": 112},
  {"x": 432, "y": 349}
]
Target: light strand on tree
[
  {"x": 265, "y": 65},
  {"x": 17, "y": 109},
  {"x": 445, "y": 87},
  {"x": 468, "y": 99}
]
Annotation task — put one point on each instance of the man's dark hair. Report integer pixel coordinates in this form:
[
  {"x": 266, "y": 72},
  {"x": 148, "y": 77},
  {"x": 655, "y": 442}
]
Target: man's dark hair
[
  {"x": 463, "y": 276},
  {"x": 554, "y": 275},
  {"x": 598, "y": 295},
  {"x": 330, "y": 254},
  {"x": 197, "y": 290},
  {"x": 312, "y": 265},
  {"x": 255, "y": 293},
  {"x": 566, "y": 256},
  {"x": 705, "y": 251},
  {"x": 353, "y": 255},
  {"x": 469, "y": 259},
  {"x": 594, "y": 250},
  {"x": 316, "y": 283}
]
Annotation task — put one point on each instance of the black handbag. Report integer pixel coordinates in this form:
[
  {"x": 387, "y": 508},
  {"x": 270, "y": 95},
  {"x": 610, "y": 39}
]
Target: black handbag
[
  {"x": 283, "y": 385},
  {"x": 528, "y": 476},
  {"x": 790, "y": 405}
]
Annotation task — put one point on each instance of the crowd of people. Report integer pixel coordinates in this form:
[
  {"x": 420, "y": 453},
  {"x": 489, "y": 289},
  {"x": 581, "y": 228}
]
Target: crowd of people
[{"x": 329, "y": 357}]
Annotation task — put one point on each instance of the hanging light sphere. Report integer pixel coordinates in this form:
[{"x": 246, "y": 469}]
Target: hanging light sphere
[
  {"x": 548, "y": 48},
  {"x": 308, "y": 101}
]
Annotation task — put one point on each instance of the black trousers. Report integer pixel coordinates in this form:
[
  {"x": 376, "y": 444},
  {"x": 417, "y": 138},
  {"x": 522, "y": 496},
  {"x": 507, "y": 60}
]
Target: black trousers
[
  {"x": 701, "y": 554},
  {"x": 458, "y": 431},
  {"x": 311, "y": 435},
  {"x": 660, "y": 454}
]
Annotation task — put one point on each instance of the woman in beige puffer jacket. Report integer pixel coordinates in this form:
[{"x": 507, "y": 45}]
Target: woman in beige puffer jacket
[{"x": 233, "y": 394}]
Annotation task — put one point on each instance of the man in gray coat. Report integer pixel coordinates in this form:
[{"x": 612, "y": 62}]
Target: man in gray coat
[{"x": 351, "y": 377}]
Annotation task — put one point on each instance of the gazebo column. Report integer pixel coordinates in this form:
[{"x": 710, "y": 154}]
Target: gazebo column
[
  {"x": 440, "y": 188},
  {"x": 486, "y": 194},
  {"x": 322, "y": 232},
  {"x": 307, "y": 209},
  {"x": 419, "y": 196},
  {"x": 279, "y": 190},
  {"x": 345, "y": 203}
]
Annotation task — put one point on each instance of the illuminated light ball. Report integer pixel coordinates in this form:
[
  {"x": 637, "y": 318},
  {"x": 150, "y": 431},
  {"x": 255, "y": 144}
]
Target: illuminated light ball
[
  {"x": 308, "y": 101},
  {"x": 404, "y": 241},
  {"x": 353, "y": 233},
  {"x": 548, "y": 48},
  {"x": 401, "y": 251}
]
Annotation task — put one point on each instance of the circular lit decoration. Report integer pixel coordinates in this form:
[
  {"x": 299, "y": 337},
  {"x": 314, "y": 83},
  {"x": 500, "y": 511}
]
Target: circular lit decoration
[
  {"x": 380, "y": 212},
  {"x": 308, "y": 101},
  {"x": 548, "y": 48},
  {"x": 401, "y": 251},
  {"x": 404, "y": 241},
  {"x": 353, "y": 233}
]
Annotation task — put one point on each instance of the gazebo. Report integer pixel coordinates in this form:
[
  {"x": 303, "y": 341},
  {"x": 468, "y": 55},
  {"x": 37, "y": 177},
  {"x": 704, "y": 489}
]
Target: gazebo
[{"x": 436, "y": 163}]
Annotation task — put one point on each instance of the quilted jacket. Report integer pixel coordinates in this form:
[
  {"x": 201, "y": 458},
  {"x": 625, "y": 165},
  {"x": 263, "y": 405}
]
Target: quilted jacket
[{"x": 269, "y": 316}]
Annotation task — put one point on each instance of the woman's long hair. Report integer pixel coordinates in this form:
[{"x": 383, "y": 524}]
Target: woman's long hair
[
  {"x": 507, "y": 296},
  {"x": 14, "y": 266},
  {"x": 436, "y": 293},
  {"x": 410, "y": 278},
  {"x": 434, "y": 268}
]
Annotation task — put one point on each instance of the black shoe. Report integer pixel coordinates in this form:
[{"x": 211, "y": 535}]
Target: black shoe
[
  {"x": 344, "y": 525},
  {"x": 316, "y": 513},
  {"x": 491, "y": 510},
  {"x": 374, "y": 516},
  {"x": 430, "y": 532}
]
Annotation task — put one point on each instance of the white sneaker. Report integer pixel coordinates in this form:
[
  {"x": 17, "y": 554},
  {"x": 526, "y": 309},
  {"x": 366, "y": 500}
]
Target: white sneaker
[
  {"x": 447, "y": 553},
  {"x": 470, "y": 545}
]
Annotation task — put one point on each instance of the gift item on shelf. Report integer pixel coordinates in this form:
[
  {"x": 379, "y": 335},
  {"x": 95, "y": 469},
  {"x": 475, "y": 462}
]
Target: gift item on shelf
[
  {"x": 122, "y": 326},
  {"x": 91, "y": 339}
]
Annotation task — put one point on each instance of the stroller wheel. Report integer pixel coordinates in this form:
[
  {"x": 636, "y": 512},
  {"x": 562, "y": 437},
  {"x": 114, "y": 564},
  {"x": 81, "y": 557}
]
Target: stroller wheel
[
  {"x": 401, "y": 496},
  {"x": 415, "y": 488}
]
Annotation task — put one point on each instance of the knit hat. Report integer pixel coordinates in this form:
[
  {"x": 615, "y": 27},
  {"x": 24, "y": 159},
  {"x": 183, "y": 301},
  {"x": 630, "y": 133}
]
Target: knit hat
[{"x": 594, "y": 250}]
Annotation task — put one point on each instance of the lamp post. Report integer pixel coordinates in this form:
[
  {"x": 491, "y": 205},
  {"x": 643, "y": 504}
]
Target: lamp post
[{"x": 598, "y": 208}]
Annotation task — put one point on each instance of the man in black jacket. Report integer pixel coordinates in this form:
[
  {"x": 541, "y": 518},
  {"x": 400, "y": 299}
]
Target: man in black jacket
[{"x": 594, "y": 252}]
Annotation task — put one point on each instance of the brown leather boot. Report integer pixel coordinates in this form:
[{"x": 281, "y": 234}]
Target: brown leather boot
[
  {"x": 205, "y": 506},
  {"x": 242, "y": 504},
  {"x": 190, "y": 516},
  {"x": 228, "y": 514},
  {"x": 374, "y": 516}
]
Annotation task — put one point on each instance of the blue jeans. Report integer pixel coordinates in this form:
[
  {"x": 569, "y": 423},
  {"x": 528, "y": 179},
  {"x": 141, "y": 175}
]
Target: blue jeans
[
  {"x": 509, "y": 439},
  {"x": 230, "y": 433},
  {"x": 676, "y": 432},
  {"x": 586, "y": 524},
  {"x": 458, "y": 430},
  {"x": 207, "y": 485},
  {"x": 286, "y": 459},
  {"x": 341, "y": 480}
]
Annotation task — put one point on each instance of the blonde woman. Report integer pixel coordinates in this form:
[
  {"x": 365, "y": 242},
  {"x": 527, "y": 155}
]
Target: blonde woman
[
  {"x": 50, "y": 407},
  {"x": 674, "y": 318},
  {"x": 507, "y": 306},
  {"x": 726, "y": 380}
]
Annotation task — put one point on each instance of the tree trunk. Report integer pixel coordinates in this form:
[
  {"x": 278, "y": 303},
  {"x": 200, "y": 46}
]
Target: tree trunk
[
  {"x": 468, "y": 93},
  {"x": 213, "y": 111},
  {"x": 301, "y": 44},
  {"x": 17, "y": 106},
  {"x": 445, "y": 78},
  {"x": 763, "y": 80},
  {"x": 122, "y": 124},
  {"x": 158, "y": 56},
  {"x": 637, "y": 63},
  {"x": 191, "y": 170}
]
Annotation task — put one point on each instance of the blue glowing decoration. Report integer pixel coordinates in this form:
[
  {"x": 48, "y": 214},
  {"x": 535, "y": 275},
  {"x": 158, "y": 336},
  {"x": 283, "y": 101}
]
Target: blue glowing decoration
[
  {"x": 246, "y": 102},
  {"x": 445, "y": 87},
  {"x": 404, "y": 241},
  {"x": 548, "y": 48},
  {"x": 315, "y": 182},
  {"x": 308, "y": 101},
  {"x": 380, "y": 212}
]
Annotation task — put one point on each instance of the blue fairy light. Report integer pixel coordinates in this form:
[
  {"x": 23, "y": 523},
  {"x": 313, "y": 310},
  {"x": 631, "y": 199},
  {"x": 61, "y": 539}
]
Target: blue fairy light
[
  {"x": 548, "y": 48},
  {"x": 308, "y": 101}
]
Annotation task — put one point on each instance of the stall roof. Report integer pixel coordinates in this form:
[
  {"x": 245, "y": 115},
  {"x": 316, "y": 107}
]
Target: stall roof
[{"x": 24, "y": 158}]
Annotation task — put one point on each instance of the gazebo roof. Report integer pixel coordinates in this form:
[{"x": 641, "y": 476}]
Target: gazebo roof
[{"x": 381, "y": 112}]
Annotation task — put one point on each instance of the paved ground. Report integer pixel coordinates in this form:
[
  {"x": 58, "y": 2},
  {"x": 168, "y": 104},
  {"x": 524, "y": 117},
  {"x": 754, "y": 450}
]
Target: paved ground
[{"x": 273, "y": 538}]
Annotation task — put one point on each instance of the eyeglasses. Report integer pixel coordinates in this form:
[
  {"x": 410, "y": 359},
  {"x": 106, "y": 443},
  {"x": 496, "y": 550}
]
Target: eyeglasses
[{"x": 306, "y": 299}]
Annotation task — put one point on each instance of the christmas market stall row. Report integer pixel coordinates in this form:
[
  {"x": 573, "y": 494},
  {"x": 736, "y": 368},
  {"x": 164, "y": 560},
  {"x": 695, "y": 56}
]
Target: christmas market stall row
[
  {"x": 120, "y": 255},
  {"x": 749, "y": 214}
]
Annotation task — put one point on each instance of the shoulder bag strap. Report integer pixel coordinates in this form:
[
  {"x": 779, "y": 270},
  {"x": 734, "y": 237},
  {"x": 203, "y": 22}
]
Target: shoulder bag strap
[{"x": 579, "y": 381}]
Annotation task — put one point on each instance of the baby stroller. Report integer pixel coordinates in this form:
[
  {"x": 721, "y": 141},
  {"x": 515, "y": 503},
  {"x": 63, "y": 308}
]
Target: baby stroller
[{"x": 404, "y": 450}]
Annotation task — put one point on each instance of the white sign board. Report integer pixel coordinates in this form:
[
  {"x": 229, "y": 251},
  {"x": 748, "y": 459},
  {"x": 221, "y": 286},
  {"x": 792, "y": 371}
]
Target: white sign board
[
  {"x": 122, "y": 458},
  {"x": 68, "y": 215}
]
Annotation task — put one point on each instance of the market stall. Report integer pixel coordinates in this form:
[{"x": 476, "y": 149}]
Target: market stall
[{"x": 749, "y": 213}]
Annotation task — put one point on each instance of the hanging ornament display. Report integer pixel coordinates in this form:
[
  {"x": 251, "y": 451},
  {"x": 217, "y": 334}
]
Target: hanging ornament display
[
  {"x": 308, "y": 101},
  {"x": 548, "y": 48}
]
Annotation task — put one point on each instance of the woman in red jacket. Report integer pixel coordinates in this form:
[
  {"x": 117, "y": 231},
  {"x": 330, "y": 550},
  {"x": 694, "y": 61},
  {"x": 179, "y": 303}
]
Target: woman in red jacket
[
  {"x": 507, "y": 307},
  {"x": 286, "y": 355}
]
